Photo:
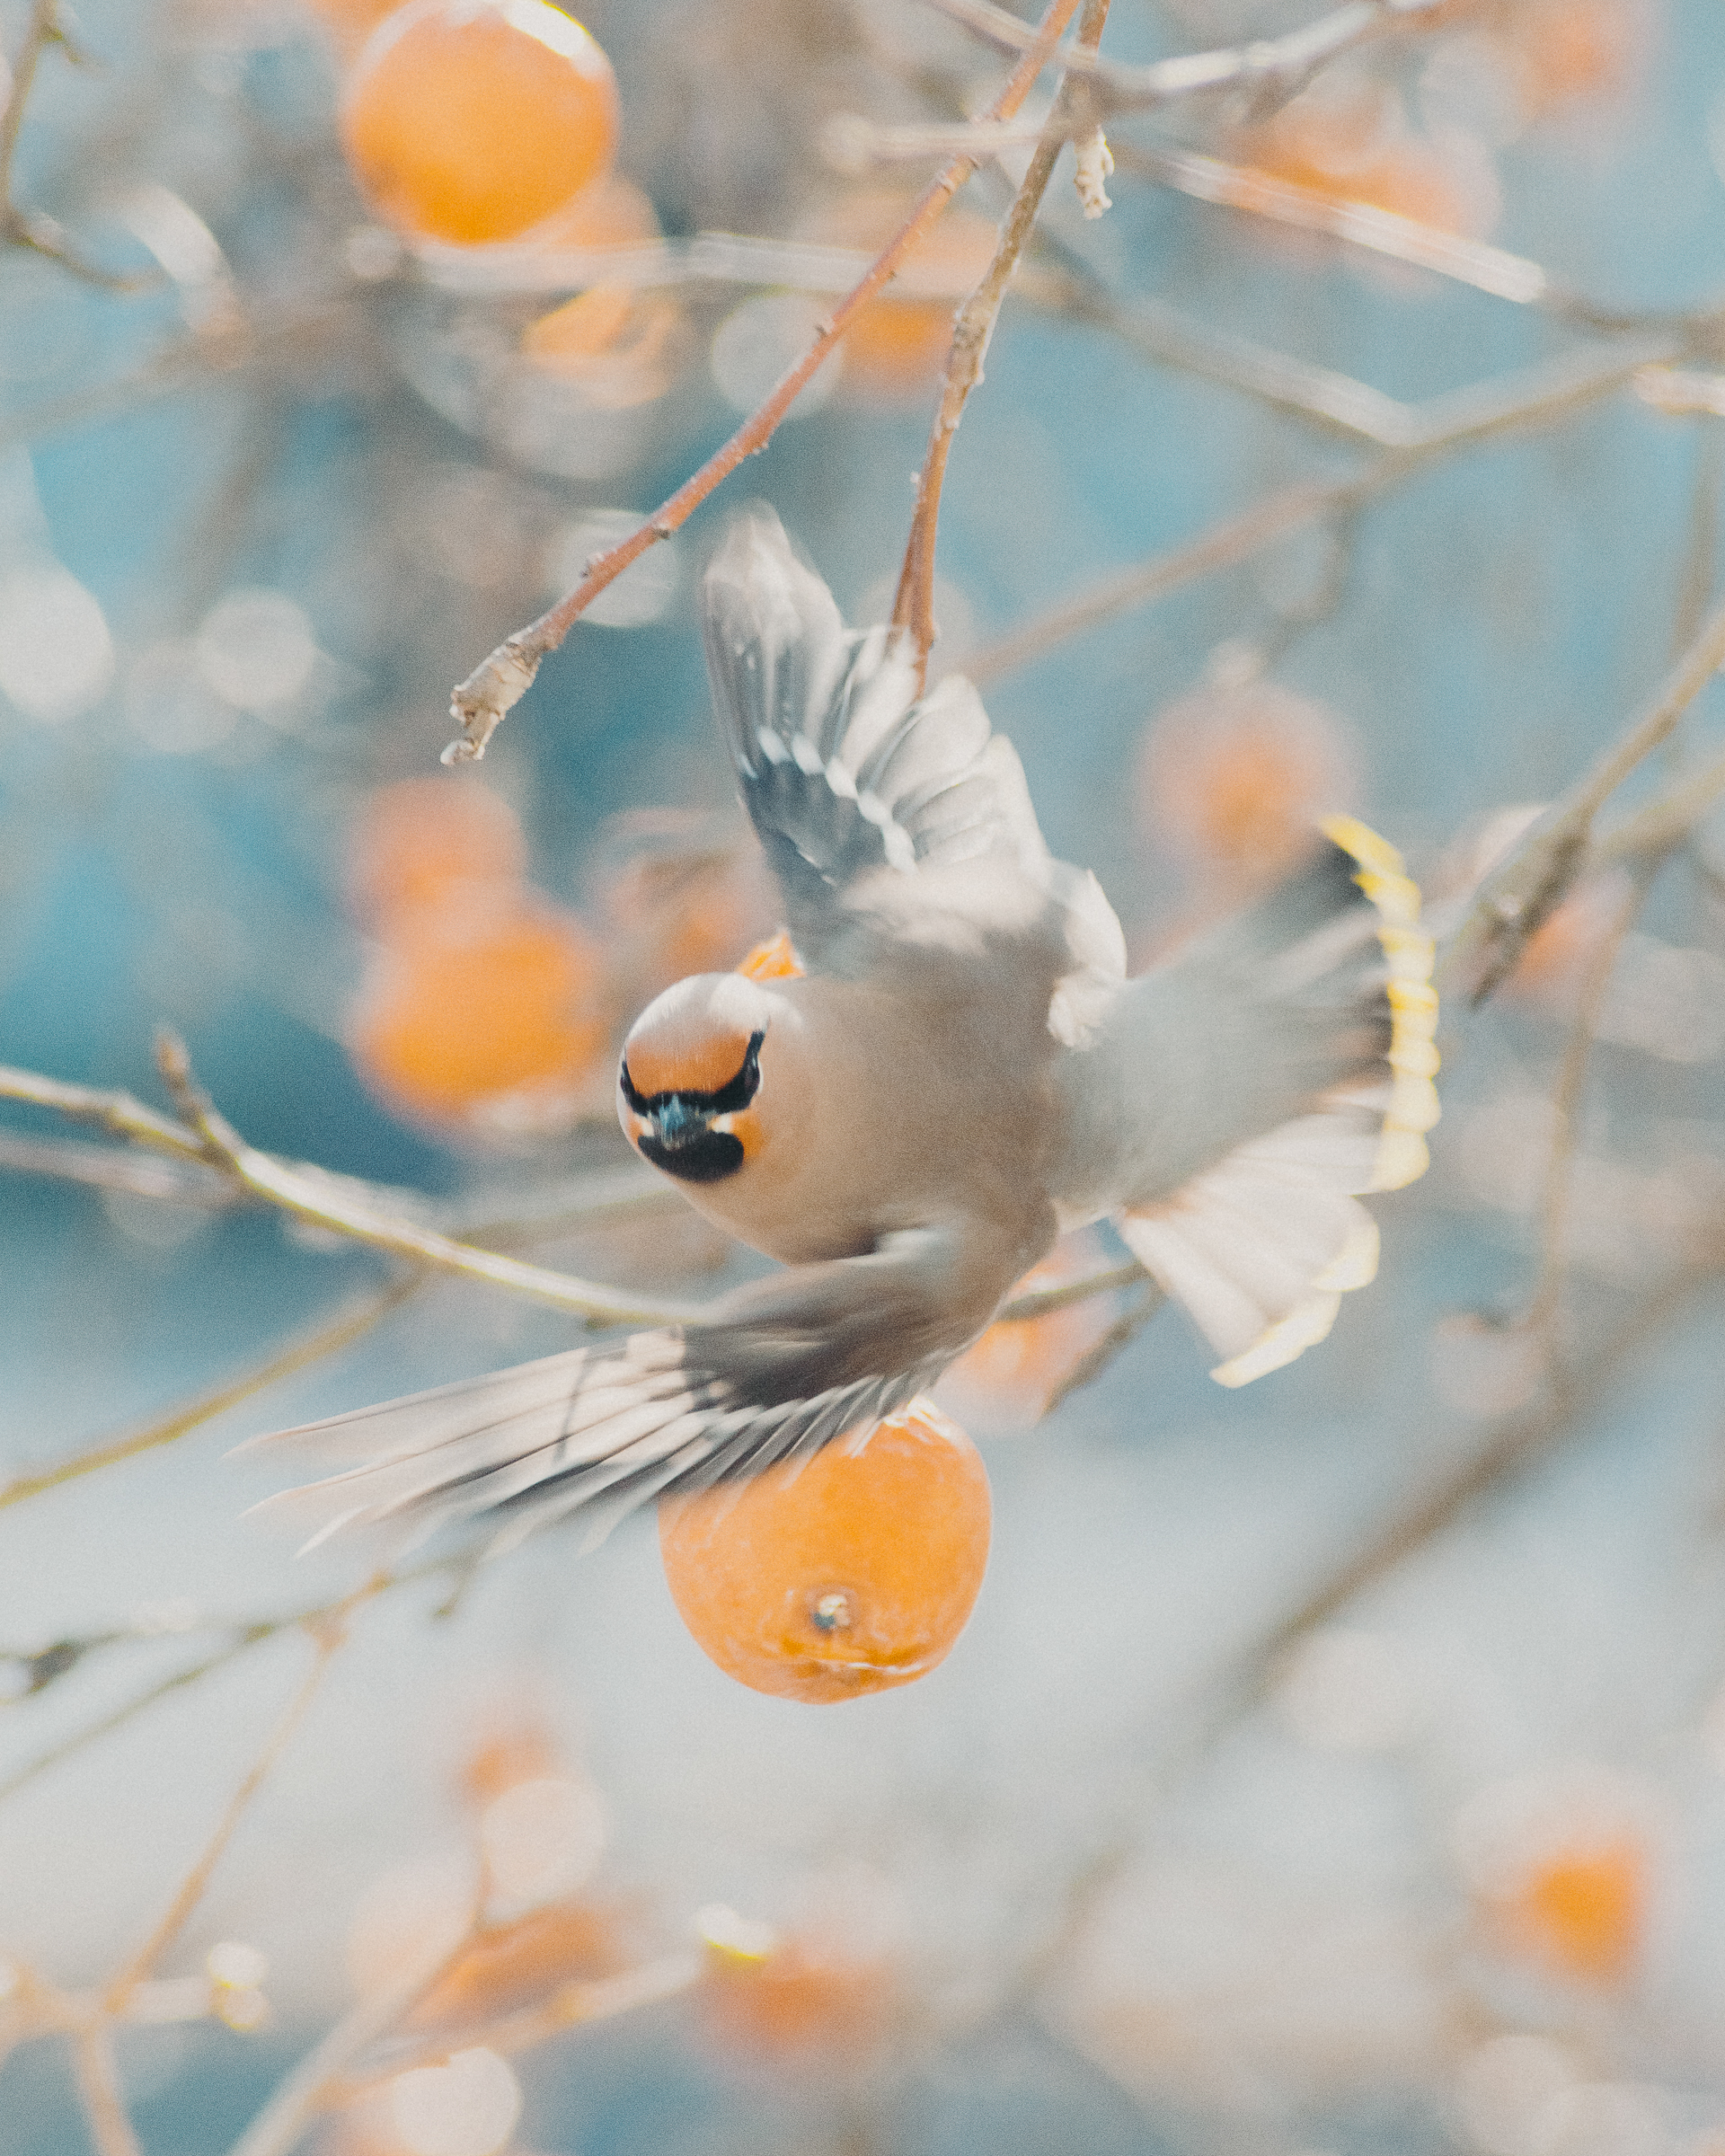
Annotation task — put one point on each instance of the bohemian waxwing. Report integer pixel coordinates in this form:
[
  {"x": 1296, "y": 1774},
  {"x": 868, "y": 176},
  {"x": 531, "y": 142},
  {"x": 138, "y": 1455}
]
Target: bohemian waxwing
[{"x": 962, "y": 1072}]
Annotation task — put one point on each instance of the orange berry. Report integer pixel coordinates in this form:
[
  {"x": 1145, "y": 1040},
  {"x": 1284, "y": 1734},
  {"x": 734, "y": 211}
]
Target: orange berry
[
  {"x": 351, "y": 22},
  {"x": 776, "y": 960},
  {"x": 1583, "y": 1910},
  {"x": 796, "y": 2000},
  {"x": 1012, "y": 1371},
  {"x": 419, "y": 844},
  {"x": 1569, "y": 51},
  {"x": 899, "y": 343},
  {"x": 508, "y": 1966},
  {"x": 523, "y": 1753},
  {"x": 474, "y": 120},
  {"x": 682, "y": 902},
  {"x": 853, "y": 1571},
  {"x": 622, "y": 348},
  {"x": 471, "y": 1012},
  {"x": 1361, "y": 149},
  {"x": 1237, "y": 774},
  {"x": 611, "y": 212}
]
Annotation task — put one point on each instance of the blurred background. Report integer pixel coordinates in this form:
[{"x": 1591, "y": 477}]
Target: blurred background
[{"x": 1336, "y": 1765}]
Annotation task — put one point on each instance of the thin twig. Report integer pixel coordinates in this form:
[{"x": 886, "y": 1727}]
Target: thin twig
[
  {"x": 913, "y": 606},
  {"x": 1040, "y": 1301},
  {"x": 1113, "y": 1343},
  {"x": 111, "y": 2128},
  {"x": 1520, "y": 893},
  {"x": 105, "y": 1168},
  {"x": 570, "y": 2006},
  {"x": 31, "y": 228},
  {"x": 1492, "y": 269},
  {"x": 292, "y": 2109},
  {"x": 481, "y": 703},
  {"x": 1530, "y": 397},
  {"x": 1540, "y": 1317},
  {"x": 247, "y": 1633},
  {"x": 327, "y": 1638},
  {"x": 327, "y": 1206},
  {"x": 353, "y": 1324},
  {"x": 1269, "y": 70}
]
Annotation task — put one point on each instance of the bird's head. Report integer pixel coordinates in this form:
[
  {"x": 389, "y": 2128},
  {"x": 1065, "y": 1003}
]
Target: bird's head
[{"x": 691, "y": 1070}]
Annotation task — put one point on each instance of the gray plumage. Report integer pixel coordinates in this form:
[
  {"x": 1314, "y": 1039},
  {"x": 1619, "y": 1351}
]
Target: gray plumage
[{"x": 964, "y": 1071}]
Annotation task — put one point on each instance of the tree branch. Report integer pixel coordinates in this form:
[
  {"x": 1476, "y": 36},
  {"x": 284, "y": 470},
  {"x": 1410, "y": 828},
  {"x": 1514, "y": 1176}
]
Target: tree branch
[{"x": 481, "y": 703}]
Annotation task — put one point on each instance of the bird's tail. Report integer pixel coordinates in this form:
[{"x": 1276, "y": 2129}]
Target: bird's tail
[{"x": 1326, "y": 986}]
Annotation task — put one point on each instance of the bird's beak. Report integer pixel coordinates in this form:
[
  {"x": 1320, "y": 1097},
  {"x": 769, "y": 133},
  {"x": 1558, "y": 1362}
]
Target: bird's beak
[{"x": 677, "y": 1124}]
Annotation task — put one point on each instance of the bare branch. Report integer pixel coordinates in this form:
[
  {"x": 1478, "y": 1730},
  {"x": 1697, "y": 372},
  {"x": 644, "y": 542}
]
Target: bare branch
[
  {"x": 1540, "y": 1317},
  {"x": 30, "y": 228},
  {"x": 1519, "y": 894},
  {"x": 290, "y": 2111},
  {"x": 1466, "y": 261},
  {"x": 1118, "y": 1337},
  {"x": 1528, "y": 397},
  {"x": 111, "y": 2128},
  {"x": 570, "y": 2006},
  {"x": 354, "y": 1323},
  {"x": 914, "y": 605},
  {"x": 1040, "y": 1301},
  {"x": 1269, "y": 70},
  {"x": 327, "y": 1637},
  {"x": 481, "y": 703}
]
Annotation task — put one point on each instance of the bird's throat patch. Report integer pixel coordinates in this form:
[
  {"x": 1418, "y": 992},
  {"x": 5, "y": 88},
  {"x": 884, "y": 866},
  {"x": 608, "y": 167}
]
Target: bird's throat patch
[{"x": 707, "y": 1158}]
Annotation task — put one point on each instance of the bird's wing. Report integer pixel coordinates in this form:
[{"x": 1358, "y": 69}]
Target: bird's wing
[
  {"x": 1282, "y": 1066},
  {"x": 779, "y": 1368},
  {"x": 844, "y": 769}
]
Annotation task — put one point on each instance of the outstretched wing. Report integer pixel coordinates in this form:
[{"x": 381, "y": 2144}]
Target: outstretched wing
[
  {"x": 844, "y": 770},
  {"x": 778, "y": 1369},
  {"x": 1284, "y": 1067}
]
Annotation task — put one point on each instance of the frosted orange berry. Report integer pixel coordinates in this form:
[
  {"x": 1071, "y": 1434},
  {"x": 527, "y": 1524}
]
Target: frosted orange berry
[
  {"x": 471, "y": 1010},
  {"x": 1582, "y": 1910},
  {"x": 422, "y": 842},
  {"x": 851, "y": 1573},
  {"x": 474, "y": 120}
]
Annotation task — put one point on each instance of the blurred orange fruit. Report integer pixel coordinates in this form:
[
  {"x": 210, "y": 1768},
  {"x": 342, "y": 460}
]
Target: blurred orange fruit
[
  {"x": 1360, "y": 148},
  {"x": 795, "y": 1999},
  {"x": 508, "y": 1966},
  {"x": 474, "y": 120},
  {"x": 351, "y": 22},
  {"x": 621, "y": 347},
  {"x": 683, "y": 899},
  {"x": 522, "y": 1754},
  {"x": 421, "y": 842},
  {"x": 1582, "y": 1910},
  {"x": 612, "y": 212},
  {"x": 1237, "y": 775},
  {"x": 899, "y": 343},
  {"x": 1015, "y": 1369},
  {"x": 480, "y": 1006},
  {"x": 849, "y": 1573},
  {"x": 1569, "y": 51}
]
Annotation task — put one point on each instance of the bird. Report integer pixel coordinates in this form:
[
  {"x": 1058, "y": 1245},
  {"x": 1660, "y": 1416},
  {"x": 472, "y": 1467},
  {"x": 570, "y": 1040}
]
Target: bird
[{"x": 957, "y": 1070}]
